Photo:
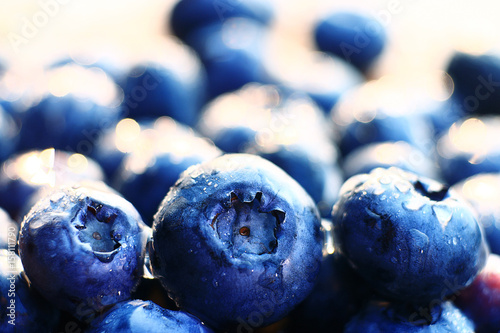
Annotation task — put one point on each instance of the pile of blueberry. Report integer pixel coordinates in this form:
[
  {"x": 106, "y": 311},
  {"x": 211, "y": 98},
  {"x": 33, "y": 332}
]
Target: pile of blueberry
[{"x": 199, "y": 190}]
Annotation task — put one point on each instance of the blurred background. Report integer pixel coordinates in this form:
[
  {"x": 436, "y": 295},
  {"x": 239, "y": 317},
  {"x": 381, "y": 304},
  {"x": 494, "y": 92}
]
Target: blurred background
[{"x": 422, "y": 32}]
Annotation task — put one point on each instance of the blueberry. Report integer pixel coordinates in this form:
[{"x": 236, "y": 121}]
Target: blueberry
[
  {"x": 383, "y": 317},
  {"x": 138, "y": 316},
  {"x": 469, "y": 147},
  {"x": 374, "y": 113},
  {"x": 237, "y": 242},
  {"x": 170, "y": 81},
  {"x": 481, "y": 300},
  {"x": 165, "y": 149},
  {"x": 483, "y": 193},
  {"x": 386, "y": 154},
  {"x": 191, "y": 15},
  {"x": 476, "y": 79},
  {"x": 23, "y": 308},
  {"x": 352, "y": 36},
  {"x": 232, "y": 53},
  {"x": 23, "y": 175},
  {"x": 83, "y": 248},
  {"x": 410, "y": 237},
  {"x": 8, "y": 236},
  {"x": 78, "y": 105}
]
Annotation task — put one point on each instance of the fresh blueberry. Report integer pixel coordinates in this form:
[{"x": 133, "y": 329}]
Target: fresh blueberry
[
  {"x": 233, "y": 54},
  {"x": 78, "y": 105},
  {"x": 8, "y": 236},
  {"x": 374, "y": 113},
  {"x": 145, "y": 316},
  {"x": 338, "y": 295},
  {"x": 188, "y": 16},
  {"x": 481, "y": 300},
  {"x": 83, "y": 248},
  {"x": 383, "y": 317},
  {"x": 352, "y": 36},
  {"x": 410, "y": 237},
  {"x": 165, "y": 149},
  {"x": 23, "y": 175},
  {"x": 170, "y": 81},
  {"x": 23, "y": 309},
  {"x": 469, "y": 147},
  {"x": 483, "y": 193},
  {"x": 386, "y": 154},
  {"x": 237, "y": 242},
  {"x": 476, "y": 79}
]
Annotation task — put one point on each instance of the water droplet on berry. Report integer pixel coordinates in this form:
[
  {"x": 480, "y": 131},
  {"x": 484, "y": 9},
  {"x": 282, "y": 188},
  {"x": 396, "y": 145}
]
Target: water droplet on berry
[
  {"x": 394, "y": 260},
  {"x": 443, "y": 214},
  {"x": 414, "y": 203},
  {"x": 385, "y": 180},
  {"x": 403, "y": 186},
  {"x": 455, "y": 241},
  {"x": 215, "y": 283}
]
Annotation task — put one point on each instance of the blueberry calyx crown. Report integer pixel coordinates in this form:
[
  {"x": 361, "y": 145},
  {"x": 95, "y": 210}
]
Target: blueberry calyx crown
[
  {"x": 96, "y": 226},
  {"x": 244, "y": 227}
]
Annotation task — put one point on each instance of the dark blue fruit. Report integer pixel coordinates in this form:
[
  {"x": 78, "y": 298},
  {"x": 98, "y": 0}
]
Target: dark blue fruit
[
  {"x": 22, "y": 309},
  {"x": 170, "y": 82},
  {"x": 146, "y": 317},
  {"x": 77, "y": 106},
  {"x": 25, "y": 174},
  {"x": 469, "y": 147},
  {"x": 383, "y": 317},
  {"x": 410, "y": 237},
  {"x": 237, "y": 242},
  {"x": 476, "y": 79},
  {"x": 188, "y": 16},
  {"x": 386, "y": 154},
  {"x": 483, "y": 193},
  {"x": 352, "y": 36},
  {"x": 83, "y": 248},
  {"x": 165, "y": 149}
]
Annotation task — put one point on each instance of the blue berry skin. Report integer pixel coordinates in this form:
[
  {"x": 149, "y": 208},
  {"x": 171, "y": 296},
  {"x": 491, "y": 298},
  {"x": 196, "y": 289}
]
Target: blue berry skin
[
  {"x": 22, "y": 305},
  {"x": 410, "y": 237},
  {"x": 188, "y": 16},
  {"x": 24, "y": 175},
  {"x": 482, "y": 191},
  {"x": 9, "y": 233},
  {"x": 476, "y": 79},
  {"x": 395, "y": 318},
  {"x": 138, "y": 316},
  {"x": 481, "y": 300},
  {"x": 386, "y": 154},
  {"x": 354, "y": 37},
  {"x": 233, "y": 54},
  {"x": 146, "y": 174},
  {"x": 469, "y": 147},
  {"x": 83, "y": 248},
  {"x": 237, "y": 242}
]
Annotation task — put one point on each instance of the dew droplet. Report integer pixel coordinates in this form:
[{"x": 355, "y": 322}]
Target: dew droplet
[
  {"x": 455, "y": 241},
  {"x": 215, "y": 283},
  {"x": 443, "y": 214},
  {"x": 209, "y": 183},
  {"x": 414, "y": 203},
  {"x": 402, "y": 186},
  {"x": 394, "y": 260}
]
